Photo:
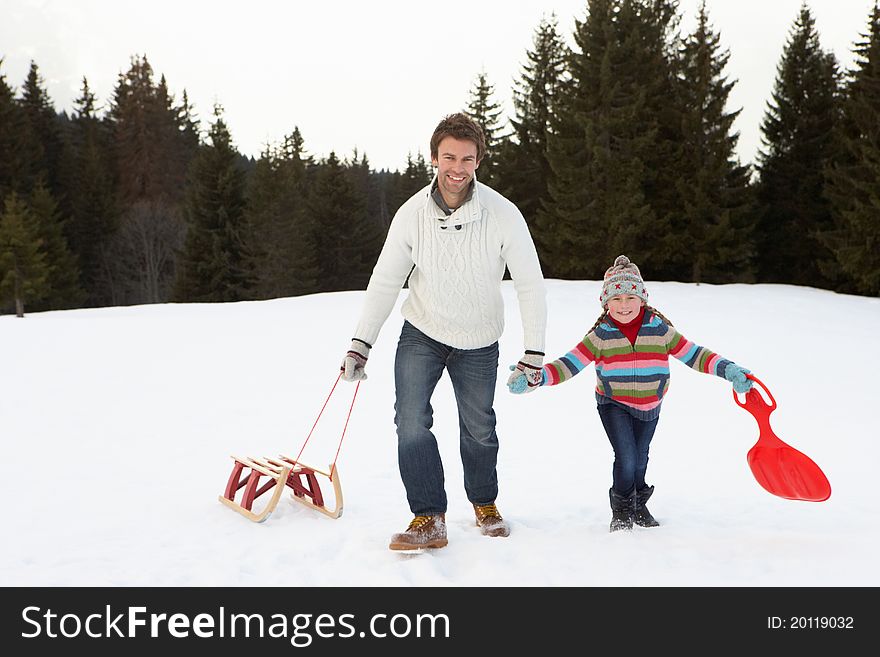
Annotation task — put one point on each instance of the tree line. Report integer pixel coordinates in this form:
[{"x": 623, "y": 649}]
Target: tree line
[{"x": 623, "y": 143}]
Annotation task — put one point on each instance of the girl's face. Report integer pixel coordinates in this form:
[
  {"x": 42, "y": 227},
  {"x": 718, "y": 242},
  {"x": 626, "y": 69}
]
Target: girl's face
[{"x": 624, "y": 307}]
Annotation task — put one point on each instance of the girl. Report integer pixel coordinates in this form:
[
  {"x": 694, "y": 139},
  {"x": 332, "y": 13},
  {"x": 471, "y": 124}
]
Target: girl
[{"x": 630, "y": 345}]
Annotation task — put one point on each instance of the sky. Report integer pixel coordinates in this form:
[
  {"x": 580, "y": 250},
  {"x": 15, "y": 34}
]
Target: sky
[
  {"x": 118, "y": 425},
  {"x": 372, "y": 76}
]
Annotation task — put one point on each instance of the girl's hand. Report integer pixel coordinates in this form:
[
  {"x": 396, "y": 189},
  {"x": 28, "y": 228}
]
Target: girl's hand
[
  {"x": 530, "y": 367},
  {"x": 737, "y": 376},
  {"x": 518, "y": 383}
]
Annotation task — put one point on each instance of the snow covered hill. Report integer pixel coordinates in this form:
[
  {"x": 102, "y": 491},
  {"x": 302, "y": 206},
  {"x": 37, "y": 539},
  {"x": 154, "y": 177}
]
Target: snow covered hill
[{"x": 117, "y": 425}]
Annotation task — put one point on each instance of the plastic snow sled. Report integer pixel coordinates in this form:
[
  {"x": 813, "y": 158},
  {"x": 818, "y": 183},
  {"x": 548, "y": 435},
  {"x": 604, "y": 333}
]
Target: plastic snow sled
[
  {"x": 279, "y": 473},
  {"x": 778, "y": 467}
]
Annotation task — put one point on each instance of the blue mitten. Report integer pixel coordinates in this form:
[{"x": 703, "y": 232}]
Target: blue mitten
[
  {"x": 737, "y": 376},
  {"x": 517, "y": 384}
]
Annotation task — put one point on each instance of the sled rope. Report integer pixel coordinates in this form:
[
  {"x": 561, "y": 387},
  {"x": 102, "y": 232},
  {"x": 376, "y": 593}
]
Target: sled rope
[{"x": 326, "y": 401}]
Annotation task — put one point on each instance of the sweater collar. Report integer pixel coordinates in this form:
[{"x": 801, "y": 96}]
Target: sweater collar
[
  {"x": 470, "y": 210},
  {"x": 437, "y": 196}
]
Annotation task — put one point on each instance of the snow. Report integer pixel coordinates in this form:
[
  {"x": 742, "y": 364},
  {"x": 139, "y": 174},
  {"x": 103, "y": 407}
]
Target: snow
[{"x": 118, "y": 425}]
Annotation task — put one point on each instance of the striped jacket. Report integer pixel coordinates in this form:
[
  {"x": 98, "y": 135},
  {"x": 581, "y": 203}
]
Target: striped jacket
[{"x": 636, "y": 377}]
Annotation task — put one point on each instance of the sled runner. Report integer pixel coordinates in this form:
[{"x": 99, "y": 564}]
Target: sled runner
[
  {"x": 778, "y": 467},
  {"x": 271, "y": 476}
]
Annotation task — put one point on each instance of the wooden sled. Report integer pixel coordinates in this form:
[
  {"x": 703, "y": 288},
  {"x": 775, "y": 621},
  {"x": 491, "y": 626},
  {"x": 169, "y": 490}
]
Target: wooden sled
[{"x": 281, "y": 472}]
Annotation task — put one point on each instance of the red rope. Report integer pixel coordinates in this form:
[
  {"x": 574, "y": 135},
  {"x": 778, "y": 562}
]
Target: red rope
[
  {"x": 353, "y": 397},
  {"x": 326, "y": 401}
]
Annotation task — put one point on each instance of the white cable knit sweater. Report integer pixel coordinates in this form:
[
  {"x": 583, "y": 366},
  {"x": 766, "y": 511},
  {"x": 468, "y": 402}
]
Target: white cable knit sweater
[{"x": 454, "y": 289}]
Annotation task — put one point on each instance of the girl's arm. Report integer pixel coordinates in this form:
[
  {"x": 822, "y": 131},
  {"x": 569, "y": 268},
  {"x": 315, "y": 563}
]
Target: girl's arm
[
  {"x": 564, "y": 368},
  {"x": 696, "y": 357}
]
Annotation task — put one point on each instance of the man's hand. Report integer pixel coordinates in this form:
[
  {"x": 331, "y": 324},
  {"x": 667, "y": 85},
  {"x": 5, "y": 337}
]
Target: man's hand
[
  {"x": 527, "y": 375},
  {"x": 355, "y": 361}
]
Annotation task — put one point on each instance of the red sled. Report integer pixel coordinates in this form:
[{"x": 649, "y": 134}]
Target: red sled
[
  {"x": 279, "y": 473},
  {"x": 270, "y": 477},
  {"x": 778, "y": 467}
]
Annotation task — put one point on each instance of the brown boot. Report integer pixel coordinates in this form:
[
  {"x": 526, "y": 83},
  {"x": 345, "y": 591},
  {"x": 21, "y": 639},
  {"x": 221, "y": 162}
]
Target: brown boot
[
  {"x": 490, "y": 521},
  {"x": 423, "y": 532}
]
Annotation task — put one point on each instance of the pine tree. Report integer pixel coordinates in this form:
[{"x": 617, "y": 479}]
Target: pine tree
[
  {"x": 396, "y": 187},
  {"x": 525, "y": 168},
  {"x": 152, "y": 146},
  {"x": 853, "y": 186},
  {"x": 19, "y": 153},
  {"x": 94, "y": 216},
  {"x": 24, "y": 273},
  {"x": 369, "y": 227},
  {"x": 41, "y": 134},
  {"x": 282, "y": 247},
  {"x": 338, "y": 208},
  {"x": 63, "y": 281},
  {"x": 387, "y": 188},
  {"x": 415, "y": 176},
  {"x": 798, "y": 136},
  {"x": 188, "y": 125},
  {"x": 483, "y": 109},
  {"x": 393, "y": 188},
  {"x": 303, "y": 265},
  {"x": 214, "y": 263},
  {"x": 140, "y": 164},
  {"x": 176, "y": 131},
  {"x": 9, "y": 130},
  {"x": 604, "y": 133},
  {"x": 267, "y": 233},
  {"x": 659, "y": 64},
  {"x": 713, "y": 230}
]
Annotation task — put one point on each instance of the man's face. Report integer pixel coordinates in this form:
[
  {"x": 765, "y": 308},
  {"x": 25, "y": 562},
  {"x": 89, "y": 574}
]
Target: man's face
[{"x": 456, "y": 162}]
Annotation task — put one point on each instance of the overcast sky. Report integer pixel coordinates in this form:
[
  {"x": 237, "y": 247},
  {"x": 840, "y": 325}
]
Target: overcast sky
[{"x": 376, "y": 76}]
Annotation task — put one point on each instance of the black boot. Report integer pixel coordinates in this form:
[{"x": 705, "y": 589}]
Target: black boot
[
  {"x": 622, "y": 510},
  {"x": 642, "y": 516}
]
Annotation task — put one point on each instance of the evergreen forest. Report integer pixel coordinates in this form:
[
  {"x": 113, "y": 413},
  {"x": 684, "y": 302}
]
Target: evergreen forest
[{"x": 623, "y": 142}]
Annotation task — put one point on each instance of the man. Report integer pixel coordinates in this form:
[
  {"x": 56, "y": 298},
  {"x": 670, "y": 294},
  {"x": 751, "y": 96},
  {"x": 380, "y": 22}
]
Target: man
[{"x": 453, "y": 240}]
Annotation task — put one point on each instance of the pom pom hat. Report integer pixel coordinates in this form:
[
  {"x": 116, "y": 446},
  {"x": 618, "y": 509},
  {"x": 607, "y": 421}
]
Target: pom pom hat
[{"x": 623, "y": 277}]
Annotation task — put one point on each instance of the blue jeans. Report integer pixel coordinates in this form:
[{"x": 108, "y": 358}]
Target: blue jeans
[
  {"x": 631, "y": 439},
  {"x": 418, "y": 367}
]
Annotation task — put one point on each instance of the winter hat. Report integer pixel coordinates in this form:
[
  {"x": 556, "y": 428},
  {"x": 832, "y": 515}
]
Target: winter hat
[{"x": 623, "y": 277}]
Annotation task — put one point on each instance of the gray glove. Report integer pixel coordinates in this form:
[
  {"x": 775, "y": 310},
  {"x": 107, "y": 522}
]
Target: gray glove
[
  {"x": 530, "y": 368},
  {"x": 355, "y": 361}
]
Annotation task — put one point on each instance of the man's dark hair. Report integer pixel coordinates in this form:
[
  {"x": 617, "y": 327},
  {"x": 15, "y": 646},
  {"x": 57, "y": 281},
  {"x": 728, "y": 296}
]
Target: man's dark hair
[{"x": 459, "y": 126}]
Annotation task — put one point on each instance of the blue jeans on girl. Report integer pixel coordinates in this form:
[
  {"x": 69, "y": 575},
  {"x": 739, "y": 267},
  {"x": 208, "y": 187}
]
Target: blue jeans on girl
[{"x": 631, "y": 439}]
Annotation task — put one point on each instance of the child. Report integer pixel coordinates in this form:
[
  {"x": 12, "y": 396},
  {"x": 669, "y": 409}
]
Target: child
[{"x": 630, "y": 345}]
